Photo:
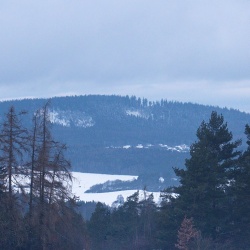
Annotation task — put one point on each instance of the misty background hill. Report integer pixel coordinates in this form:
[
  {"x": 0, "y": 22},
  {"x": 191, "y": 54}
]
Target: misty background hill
[{"x": 127, "y": 135}]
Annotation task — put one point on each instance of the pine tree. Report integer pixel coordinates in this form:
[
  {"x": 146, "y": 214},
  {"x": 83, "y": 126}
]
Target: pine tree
[
  {"x": 240, "y": 188},
  {"x": 147, "y": 215},
  {"x": 204, "y": 183},
  {"x": 99, "y": 226}
]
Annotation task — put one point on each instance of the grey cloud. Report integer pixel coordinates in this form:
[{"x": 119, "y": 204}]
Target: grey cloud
[
  {"x": 105, "y": 46},
  {"x": 93, "y": 40}
]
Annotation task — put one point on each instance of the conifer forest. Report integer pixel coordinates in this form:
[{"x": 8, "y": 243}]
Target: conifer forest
[
  {"x": 124, "y": 125},
  {"x": 209, "y": 209}
]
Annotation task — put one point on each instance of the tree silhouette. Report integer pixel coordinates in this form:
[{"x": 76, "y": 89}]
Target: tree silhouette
[{"x": 186, "y": 233}]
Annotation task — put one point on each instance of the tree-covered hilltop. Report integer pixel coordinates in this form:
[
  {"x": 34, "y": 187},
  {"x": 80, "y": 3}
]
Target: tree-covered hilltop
[
  {"x": 121, "y": 120},
  {"x": 99, "y": 129}
]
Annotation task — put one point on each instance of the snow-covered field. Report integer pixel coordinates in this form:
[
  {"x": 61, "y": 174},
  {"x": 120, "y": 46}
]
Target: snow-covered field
[{"x": 83, "y": 181}]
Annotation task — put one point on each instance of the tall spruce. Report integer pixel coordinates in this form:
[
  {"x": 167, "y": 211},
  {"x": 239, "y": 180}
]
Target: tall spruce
[
  {"x": 241, "y": 198},
  {"x": 99, "y": 227},
  {"x": 203, "y": 191}
]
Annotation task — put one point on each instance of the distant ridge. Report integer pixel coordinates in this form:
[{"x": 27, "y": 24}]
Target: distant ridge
[{"x": 97, "y": 127}]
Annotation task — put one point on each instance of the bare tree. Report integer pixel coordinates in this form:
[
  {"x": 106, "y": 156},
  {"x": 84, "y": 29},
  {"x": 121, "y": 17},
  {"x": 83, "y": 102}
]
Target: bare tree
[
  {"x": 50, "y": 176},
  {"x": 13, "y": 145},
  {"x": 14, "y": 142},
  {"x": 33, "y": 162},
  {"x": 52, "y": 220},
  {"x": 186, "y": 233}
]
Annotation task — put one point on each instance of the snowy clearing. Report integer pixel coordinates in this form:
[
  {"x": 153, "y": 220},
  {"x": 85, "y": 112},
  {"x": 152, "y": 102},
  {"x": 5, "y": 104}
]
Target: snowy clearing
[{"x": 83, "y": 181}]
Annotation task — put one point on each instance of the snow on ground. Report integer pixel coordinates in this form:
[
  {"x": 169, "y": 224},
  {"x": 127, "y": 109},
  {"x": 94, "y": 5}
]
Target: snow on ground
[
  {"x": 109, "y": 198},
  {"x": 83, "y": 181},
  {"x": 66, "y": 118},
  {"x": 179, "y": 148}
]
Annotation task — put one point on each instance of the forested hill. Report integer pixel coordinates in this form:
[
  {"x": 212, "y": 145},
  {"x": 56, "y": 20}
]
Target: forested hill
[{"x": 128, "y": 135}]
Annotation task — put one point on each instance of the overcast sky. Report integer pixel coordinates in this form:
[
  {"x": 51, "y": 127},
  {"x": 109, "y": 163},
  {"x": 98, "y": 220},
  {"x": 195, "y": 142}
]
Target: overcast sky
[{"x": 189, "y": 51}]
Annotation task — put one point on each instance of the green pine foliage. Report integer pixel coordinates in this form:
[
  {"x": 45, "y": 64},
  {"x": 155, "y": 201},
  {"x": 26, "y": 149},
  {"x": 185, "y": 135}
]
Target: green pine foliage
[
  {"x": 203, "y": 192},
  {"x": 214, "y": 191},
  {"x": 240, "y": 193},
  {"x": 130, "y": 226}
]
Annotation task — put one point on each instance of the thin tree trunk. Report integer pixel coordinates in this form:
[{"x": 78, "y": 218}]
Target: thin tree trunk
[{"x": 32, "y": 167}]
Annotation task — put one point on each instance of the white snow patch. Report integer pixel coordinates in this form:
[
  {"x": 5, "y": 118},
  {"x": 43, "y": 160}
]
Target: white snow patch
[
  {"x": 66, "y": 118},
  {"x": 183, "y": 147},
  {"x": 136, "y": 113},
  {"x": 109, "y": 198},
  {"x": 133, "y": 113},
  {"x": 55, "y": 117},
  {"x": 161, "y": 180},
  {"x": 83, "y": 181},
  {"x": 178, "y": 148}
]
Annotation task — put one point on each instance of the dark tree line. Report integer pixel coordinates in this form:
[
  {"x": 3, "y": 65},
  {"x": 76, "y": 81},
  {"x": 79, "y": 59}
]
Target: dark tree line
[
  {"x": 210, "y": 209},
  {"x": 130, "y": 226},
  {"x": 36, "y": 205}
]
